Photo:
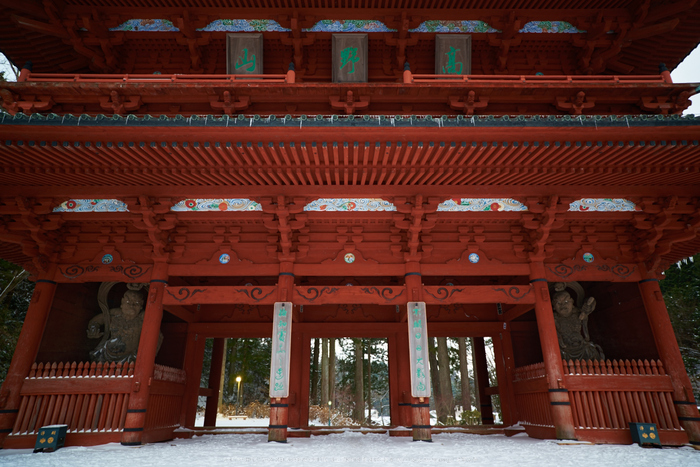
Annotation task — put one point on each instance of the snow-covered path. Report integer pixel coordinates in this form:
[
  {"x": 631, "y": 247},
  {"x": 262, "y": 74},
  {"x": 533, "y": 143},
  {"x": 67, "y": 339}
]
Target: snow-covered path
[{"x": 355, "y": 449}]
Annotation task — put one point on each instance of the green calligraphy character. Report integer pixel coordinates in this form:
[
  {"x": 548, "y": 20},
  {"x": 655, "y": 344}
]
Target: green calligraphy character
[
  {"x": 245, "y": 62},
  {"x": 453, "y": 66},
  {"x": 349, "y": 55}
]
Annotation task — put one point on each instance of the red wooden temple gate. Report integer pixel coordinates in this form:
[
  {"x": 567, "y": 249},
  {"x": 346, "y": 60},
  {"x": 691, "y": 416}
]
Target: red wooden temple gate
[{"x": 128, "y": 156}]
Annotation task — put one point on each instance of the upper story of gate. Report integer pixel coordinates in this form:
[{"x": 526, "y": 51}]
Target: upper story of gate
[{"x": 379, "y": 57}]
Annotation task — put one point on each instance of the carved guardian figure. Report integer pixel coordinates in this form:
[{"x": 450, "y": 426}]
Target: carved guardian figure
[{"x": 572, "y": 326}]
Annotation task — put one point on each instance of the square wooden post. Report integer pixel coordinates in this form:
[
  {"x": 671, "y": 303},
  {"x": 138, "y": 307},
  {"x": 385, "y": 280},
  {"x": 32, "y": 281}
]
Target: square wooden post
[
  {"x": 25, "y": 353},
  {"x": 421, "y": 405},
  {"x": 481, "y": 372},
  {"x": 560, "y": 404},
  {"x": 145, "y": 361},
  {"x": 194, "y": 359},
  {"x": 218, "y": 359},
  {"x": 683, "y": 398}
]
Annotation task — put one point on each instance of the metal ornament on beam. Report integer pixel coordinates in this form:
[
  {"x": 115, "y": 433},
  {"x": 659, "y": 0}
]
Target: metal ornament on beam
[
  {"x": 418, "y": 349},
  {"x": 281, "y": 347}
]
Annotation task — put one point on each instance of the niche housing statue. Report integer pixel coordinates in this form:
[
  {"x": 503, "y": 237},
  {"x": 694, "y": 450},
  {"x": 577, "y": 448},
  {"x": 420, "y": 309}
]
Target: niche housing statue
[{"x": 570, "y": 322}]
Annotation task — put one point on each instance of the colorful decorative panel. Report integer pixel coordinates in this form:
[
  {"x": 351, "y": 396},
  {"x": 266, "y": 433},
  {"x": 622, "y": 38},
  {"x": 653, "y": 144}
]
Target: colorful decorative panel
[
  {"x": 146, "y": 25},
  {"x": 92, "y": 205},
  {"x": 350, "y": 204},
  {"x": 602, "y": 204},
  {"x": 561, "y": 27},
  {"x": 237, "y": 204},
  {"x": 244, "y": 25},
  {"x": 481, "y": 204},
  {"x": 454, "y": 26},
  {"x": 418, "y": 349},
  {"x": 327, "y": 25},
  {"x": 281, "y": 349}
]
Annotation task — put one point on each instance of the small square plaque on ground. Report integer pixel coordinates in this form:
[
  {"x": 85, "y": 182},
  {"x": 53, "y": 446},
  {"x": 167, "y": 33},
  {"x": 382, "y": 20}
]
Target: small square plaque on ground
[
  {"x": 244, "y": 54},
  {"x": 50, "y": 438},
  {"x": 453, "y": 54},
  {"x": 350, "y": 58}
]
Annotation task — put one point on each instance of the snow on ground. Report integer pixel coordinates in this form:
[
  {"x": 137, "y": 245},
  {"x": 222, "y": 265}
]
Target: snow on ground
[{"x": 354, "y": 449}]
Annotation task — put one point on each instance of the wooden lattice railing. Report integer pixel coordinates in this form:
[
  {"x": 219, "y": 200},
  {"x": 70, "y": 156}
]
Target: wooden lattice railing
[
  {"x": 94, "y": 397},
  {"x": 532, "y": 396},
  {"x": 611, "y": 394},
  {"x": 88, "y": 397},
  {"x": 605, "y": 396}
]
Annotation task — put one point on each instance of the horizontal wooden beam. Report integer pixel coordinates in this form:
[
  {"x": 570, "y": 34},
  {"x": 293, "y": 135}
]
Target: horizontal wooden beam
[
  {"x": 618, "y": 383},
  {"x": 511, "y": 294},
  {"x": 263, "y": 295},
  {"x": 88, "y": 385}
]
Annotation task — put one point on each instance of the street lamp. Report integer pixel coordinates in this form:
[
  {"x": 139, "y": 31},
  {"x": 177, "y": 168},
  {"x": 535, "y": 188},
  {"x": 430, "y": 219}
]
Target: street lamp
[
  {"x": 238, "y": 403},
  {"x": 329, "y": 413}
]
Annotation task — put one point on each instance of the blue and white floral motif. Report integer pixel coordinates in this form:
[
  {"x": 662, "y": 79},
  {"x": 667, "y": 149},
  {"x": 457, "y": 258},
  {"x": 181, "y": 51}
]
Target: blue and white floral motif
[
  {"x": 224, "y": 258},
  {"x": 561, "y": 27},
  {"x": 481, "y": 204},
  {"x": 327, "y": 25},
  {"x": 454, "y": 26},
  {"x": 602, "y": 204},
  {"x": 350, "y": 204},
  {"x": 244, "y": 25},
  {"x": 92, "y": 205},
  {"x": 209, "y": 204},
  {"x": 473, "y": 258},
  {"x": 146, "y": 25}
]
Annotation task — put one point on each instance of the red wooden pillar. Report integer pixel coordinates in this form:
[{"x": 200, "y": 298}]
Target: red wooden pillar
[
  {"x": 217, "y": 361},
  {"x": 299, "y": 380},
  {"x": 145, "y": 359},
  {"x": 399, "y": 380},
  {"x": 670, "y": 354},
  {"x": 503, "y": 353},
  {"x": 25, "y": 353},
  {"x": 482, "y": 381},
  {"x": 420, "y": 405},
  {"x": 194, "y": 359},
  {"x": 279, "y": 407},
  {"x": 558, "y": 394}
]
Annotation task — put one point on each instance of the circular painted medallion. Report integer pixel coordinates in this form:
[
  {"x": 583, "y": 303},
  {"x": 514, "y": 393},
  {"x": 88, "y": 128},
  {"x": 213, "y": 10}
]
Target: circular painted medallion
[
  {"x": 106, "y": 259},
  {"x": 588, "y": 257},
  {"x": 349, "y": 258},
  {"x": 224, "y": 258},
  {"x": 473, "y": 258}
]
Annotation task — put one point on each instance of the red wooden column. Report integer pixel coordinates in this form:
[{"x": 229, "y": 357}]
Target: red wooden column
[
  {"x": 482, "y": 381},
  {"x": 194, "y": 359},
  {"x": 299, "y": 380},
  {"x": 145, "y": 359},
  {"x": 25, "y": 353},
  {"x": 558, "y": 394},
  {"x": 420, "y": 405},
  {"x": 279, "y": 407},
  {"x": 217, "y": 360},
  {"x": 503, "y": 353},
  {"x": 399, "y": 380},
  {"x": 670, "y": 354}
]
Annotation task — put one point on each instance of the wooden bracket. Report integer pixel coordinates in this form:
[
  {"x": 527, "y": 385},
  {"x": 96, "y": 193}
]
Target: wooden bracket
[
  {"x": 575, "y": 105},
  {"x": 665, "y": 105},
  {"x": 468, "y": 103},
  {"x": 349, "y": 105},
  {"x": 228, "y": 104},
  {"x": 120, "y": 105}
]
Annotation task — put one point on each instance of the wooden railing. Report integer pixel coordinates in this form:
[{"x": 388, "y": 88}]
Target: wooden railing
[
  {"x": 605, "y": 396},
  {"x": 164, "y": 403},
  {"x": 611, "y": 394},
  {"x": 86, "y": 397},
  {"x": 532, "y": 396}
]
